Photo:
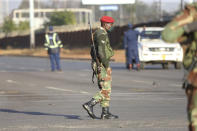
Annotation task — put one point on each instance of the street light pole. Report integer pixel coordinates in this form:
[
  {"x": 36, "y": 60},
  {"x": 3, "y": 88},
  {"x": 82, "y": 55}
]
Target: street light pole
[{"x": 31, "y": 22}]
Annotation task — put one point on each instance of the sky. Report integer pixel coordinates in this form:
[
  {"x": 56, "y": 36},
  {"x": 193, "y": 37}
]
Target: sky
[{"x": 169, "y": 5}]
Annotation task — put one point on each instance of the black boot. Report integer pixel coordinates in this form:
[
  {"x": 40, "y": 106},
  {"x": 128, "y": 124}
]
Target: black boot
[
  {"x": 89, "y": 107},
  {"x": 106, "y": 114}
]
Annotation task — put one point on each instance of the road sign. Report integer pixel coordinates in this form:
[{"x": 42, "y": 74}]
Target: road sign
[
  {"x": 108, "y": 8},
  {"x": 107, "y": 2}
]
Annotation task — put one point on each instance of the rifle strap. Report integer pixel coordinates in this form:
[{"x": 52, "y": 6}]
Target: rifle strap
[
  {"x": 192, "y": 66},
  {"x": 93, "y": 74}
]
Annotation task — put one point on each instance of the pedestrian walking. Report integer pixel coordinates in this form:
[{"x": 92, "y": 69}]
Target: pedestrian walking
[{"x": 101, "y": 67}]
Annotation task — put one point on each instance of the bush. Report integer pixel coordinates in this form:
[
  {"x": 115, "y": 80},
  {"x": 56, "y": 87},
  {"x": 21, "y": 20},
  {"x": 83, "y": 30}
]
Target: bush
[
  {"x": 61, "y": 18},
  {"x": 8, "y": 26},
  {"x": 23, "y": 25}
]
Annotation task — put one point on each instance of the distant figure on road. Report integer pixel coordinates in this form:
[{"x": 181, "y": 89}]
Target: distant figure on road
[
  {"x": 183, "y": 29},
  {"x": 103, "y": 52},
  {"x": 53, "y": 45},
  {"x": 131, "y": 47}
]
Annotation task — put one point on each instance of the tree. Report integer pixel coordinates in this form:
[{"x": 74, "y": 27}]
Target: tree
[
  {"x": 25, "y": 4},
  {"x": 8, "y": 26},
  {"x": 23, "y": 25},
  {"x": 62, "y": 18}
]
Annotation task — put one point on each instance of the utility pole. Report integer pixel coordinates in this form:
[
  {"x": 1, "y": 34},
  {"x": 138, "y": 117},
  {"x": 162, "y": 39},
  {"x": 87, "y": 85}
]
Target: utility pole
[
  {"x": 121, "y": 14},
  {"x": 160, "y": 10},
  {"x": 38, "y": 1},
  {"x": 31, "y": 22},
  {"x": 7, "y": 8},
  {"x": 1, "y": 12},
  {"x": 181, "y": 4}
]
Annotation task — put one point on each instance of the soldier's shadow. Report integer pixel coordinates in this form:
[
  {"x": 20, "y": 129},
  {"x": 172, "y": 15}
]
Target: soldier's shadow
[{"x": 75, "y": 117}]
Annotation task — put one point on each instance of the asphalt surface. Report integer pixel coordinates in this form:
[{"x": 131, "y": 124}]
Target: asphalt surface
[{"x": 33, "y": 98}]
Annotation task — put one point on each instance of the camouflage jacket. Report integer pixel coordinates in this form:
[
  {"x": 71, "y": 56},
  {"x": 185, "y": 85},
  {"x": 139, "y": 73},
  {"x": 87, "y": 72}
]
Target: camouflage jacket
[
  {"x": 177, "y": 31},
  {"x": 102, "y": 44}
]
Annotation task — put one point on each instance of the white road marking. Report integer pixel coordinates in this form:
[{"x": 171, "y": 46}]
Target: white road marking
[
  {"x": 151, "y": 82},
  {"x": 59, "y": 89},
  {"x": 83, "y": 75},
  {"x": 176, "y": 85},
  {"x": 3, "y": 71},
  {"x": 87, "y": 70},
  {"x": 2, "y": 92},
  {"x": 11, "y": 81},
  {"x": 23, "y": 68},
  {"x": 144, "y": 93},
  {"x": 83, "y": 92},
  {"x": 138, "y": 81},
  {"x": 40, "y": 69}
]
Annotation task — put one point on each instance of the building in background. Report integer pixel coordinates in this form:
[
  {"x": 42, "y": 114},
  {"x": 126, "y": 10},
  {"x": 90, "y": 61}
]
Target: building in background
[{"x": 41, "y": 16}]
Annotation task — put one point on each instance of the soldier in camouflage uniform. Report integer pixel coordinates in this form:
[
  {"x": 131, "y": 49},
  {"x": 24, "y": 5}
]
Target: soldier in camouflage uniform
[
  {"x": 183, "y": 29},
  {"x": 103, "y": 71}
]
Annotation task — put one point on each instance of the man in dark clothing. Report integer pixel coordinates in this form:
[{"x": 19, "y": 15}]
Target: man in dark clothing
[
  {"x": 53, "y": 45},
  {"x": 131, "y": 47}
]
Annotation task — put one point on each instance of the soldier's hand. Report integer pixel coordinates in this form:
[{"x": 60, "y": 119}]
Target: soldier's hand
[
  {"x": 109, "y": 71},
  {"x": 98, "y": 69},
  {"x": 192, "y": 11},
  {"x": 185, "y": 17}
]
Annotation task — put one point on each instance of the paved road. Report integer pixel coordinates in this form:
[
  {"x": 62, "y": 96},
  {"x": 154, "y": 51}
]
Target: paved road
[{"x": 33, "y": 98}]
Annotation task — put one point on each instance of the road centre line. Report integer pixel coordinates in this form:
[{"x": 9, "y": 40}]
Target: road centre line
[
  {"x": 11, "y": 81},
  {"x": 83, "y": 92},
  {"x": 138, "y": 81},
  {"x": 148, "y": 82},
  {"x": 176, "y": 85},
  {"x": 60, "y": 89},
  {"x": 2, "y": 93},
  {"x": 144, "y": 93},
  {"x": 3, "y": 71}
]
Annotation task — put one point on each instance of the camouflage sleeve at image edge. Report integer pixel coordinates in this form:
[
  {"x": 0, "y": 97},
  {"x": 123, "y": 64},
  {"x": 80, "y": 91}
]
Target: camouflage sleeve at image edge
[{"x": 175, "y": 29}]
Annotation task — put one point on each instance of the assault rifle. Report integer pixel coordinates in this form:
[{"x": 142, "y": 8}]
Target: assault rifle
[{"x": 93, "y": 53}]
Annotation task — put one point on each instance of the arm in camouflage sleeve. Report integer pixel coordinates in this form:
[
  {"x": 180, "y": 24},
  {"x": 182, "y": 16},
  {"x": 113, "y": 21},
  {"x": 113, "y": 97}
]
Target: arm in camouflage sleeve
[
  {"x": 101, "y": 50},
  {"x": 175, "y": 29},
  {"x": 191, "y": 27}
]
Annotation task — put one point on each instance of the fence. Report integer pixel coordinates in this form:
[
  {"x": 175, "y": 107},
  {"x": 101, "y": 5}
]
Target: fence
[{"x": 75, "y": 39}]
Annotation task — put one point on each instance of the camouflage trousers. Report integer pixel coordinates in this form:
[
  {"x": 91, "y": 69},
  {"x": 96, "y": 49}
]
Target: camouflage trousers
[
  {"x": 104, "y": 83},
  {"x": 191, "y": 93}
]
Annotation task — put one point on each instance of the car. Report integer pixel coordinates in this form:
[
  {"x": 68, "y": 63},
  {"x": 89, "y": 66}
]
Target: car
[{"x": 153, "y": 50}]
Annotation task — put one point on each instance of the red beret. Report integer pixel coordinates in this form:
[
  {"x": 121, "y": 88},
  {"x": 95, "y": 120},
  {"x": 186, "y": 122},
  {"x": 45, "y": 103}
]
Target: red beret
[{"x": 107, "y": 19}]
